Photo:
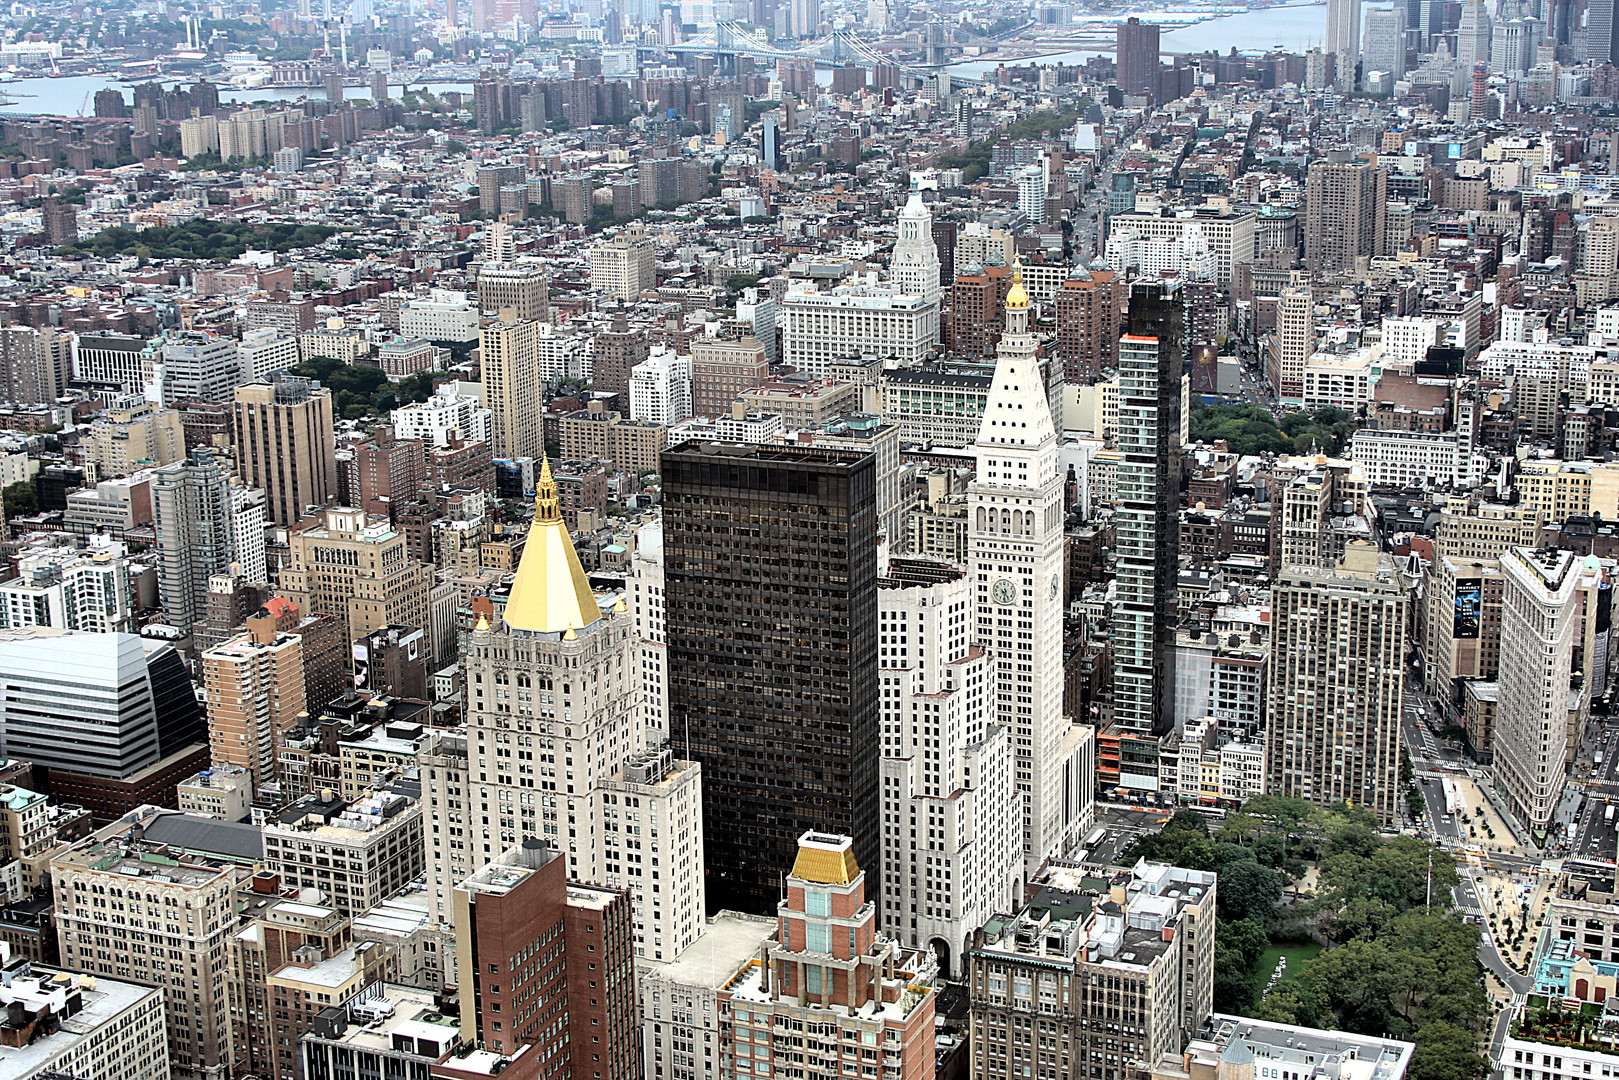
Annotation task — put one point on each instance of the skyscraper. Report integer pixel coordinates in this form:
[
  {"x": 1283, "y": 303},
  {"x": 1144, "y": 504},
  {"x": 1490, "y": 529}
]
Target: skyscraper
[
  {"x": 525, "y": 287},
  {"x": 770, "y": 586},
  {"x": 946, "y": 763},
  {"x": 1602, "y": 32},
  {"x": 1087, "y": 309},
  {"x": 1337, "y": 683},
  {"x": 914, "y": 269},
  {"x": 1346, "y": 212},
  {"x": 555, "y": 673},
  {"x": 1472, "y": 38},
  {"x": 1343, "y": 38},
  {"x": 1385, "y": 41},
  {"x": 285, "y": 444},
  {"x": 1015, "y": 523},
  {"x": 198, "y": 534},
  {"x": 1142, "y": 628},
  {"x": 1540, "y": 615},
  {"x": 1136, "y": 53},
  {"x": 769, "y": 143},
  {"x": 511, "y": 385}
]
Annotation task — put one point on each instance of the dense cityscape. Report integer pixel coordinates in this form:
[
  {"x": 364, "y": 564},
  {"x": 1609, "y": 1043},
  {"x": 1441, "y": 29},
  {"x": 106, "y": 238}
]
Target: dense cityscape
[{"x": 782, "y": 539}]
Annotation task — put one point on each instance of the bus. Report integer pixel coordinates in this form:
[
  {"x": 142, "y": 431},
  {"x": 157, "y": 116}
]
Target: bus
[{"x": 1095, "y": 838}]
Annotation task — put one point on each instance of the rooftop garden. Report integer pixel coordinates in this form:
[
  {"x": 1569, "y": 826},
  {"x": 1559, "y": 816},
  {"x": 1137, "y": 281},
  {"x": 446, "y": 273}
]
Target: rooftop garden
[{"x": 1545, "y": 1021}]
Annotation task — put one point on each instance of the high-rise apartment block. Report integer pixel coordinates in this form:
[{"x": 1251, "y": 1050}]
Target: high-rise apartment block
[
  {"x": 547, "y": 963},
  {"x": 511, "y": 385},
  {"x": 1540, "y": 617},
  {"x": 522, "y": 287},
  {"x": 1338, "y": 644},
  {"x": 862, "y": 1001},
  {"x": 947, "y": 767},
  {"x": 1142, "y": 623},
  {"x": 254, "y": 687},
  {"x": 625, "y": 266},
  {"x": 660, "y": 388},
  {"x": 205, "y": 526},
  {"x": 75, "y": 590},
  {"x": 285, "y": 444},
  {"x": 1081, "y": 984},
  {"x": 35, "y": 365},
  {"x": 1088, "y": 317},
  {"x": 1015, "y": 523},
  {"x": 779, "y": 694},
  {"x": 1346, "y": 210},
  {"x": 1136, "y": 49}
]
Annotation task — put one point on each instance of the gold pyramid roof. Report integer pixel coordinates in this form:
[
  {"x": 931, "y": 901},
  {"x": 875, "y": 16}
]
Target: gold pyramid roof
[
  {"x": 825, "y": 863},
  {"x": 550, "y": 593}
]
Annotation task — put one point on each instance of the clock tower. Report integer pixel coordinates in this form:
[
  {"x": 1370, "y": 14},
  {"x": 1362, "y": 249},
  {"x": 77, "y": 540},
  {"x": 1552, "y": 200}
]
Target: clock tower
[{"x": 1015, "y": 523}]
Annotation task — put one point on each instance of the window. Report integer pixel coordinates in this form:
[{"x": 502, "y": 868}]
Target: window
[{"x": 817, "y": 903}]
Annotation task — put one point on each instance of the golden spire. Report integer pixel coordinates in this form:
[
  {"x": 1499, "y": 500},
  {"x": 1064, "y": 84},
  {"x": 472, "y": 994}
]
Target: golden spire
[
  {"x": 483, "y": 624},
  {"x": 1017, "y": 296},
  {"x": 547, "y": 503},
  {"x": 550, "y": 593}
]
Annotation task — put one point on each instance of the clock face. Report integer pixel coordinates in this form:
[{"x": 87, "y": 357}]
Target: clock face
[
  {"x": 1056, "y": 586},
  {"x": 1004, "y": 592}
]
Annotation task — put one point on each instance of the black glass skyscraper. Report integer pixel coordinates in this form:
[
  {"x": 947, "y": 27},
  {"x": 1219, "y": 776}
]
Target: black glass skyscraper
[{"x": 770, "y": 564}]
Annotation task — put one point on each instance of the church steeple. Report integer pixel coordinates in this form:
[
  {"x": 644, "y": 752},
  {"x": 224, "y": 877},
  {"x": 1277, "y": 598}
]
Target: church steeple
[{"x": 550, "y": 594}]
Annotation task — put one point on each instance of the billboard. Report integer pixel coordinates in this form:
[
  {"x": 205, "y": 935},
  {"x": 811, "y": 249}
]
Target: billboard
[
  {"x": 1469, "y": 607},
  {"x": 362, "y": 665}
]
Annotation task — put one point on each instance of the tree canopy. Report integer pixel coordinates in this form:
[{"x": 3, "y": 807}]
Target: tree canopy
[
  {"x": 200, "y": 239},
  {"x": 359, "y": 390},
  {"x": 1397, "y": 962},
  {"x": 1248, "y": 429}
]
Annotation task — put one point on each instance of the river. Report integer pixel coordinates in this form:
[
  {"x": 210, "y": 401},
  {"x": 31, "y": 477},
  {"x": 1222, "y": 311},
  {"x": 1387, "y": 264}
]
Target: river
[
  {"x": 1293, "y": 28},
  {"x": 74, "y": 95}
]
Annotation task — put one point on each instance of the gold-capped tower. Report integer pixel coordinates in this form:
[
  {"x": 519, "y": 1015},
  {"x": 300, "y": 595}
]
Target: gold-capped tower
[
  {"x": 550, "y": 594},
  {"x": 1017, "y": 296}
]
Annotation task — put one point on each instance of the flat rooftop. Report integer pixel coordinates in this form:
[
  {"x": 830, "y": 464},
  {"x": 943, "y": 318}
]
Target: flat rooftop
[
  {"x": 729, "y": 940},
  {"x": 103, "y": 1005}
]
